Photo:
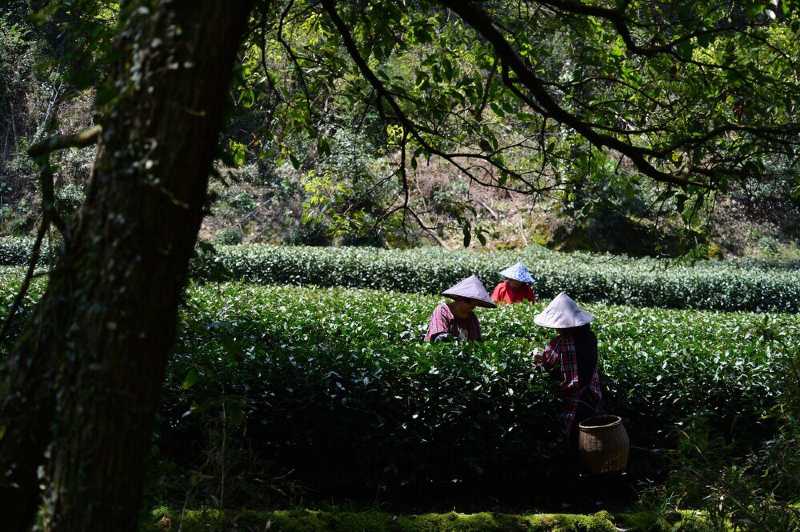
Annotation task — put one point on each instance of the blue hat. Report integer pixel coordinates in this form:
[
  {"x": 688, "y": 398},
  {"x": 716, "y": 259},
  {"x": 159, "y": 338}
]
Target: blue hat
[{"x": 518, "y": 272}]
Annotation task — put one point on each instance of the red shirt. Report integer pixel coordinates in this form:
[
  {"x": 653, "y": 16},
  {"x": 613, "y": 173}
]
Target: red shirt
[{"x": 505, "y": 293}]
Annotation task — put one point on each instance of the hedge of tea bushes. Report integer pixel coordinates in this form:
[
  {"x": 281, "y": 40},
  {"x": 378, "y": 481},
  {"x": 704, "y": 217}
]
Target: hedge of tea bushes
[
  {"x": 735, "y": 285},
  {"x": 336, "y": 385},
  {"x": 717, "y": 285},
  {"x": 10, "y": 280}
]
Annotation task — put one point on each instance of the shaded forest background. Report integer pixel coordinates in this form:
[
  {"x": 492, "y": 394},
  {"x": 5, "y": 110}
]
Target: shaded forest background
[{"x": 338, "y": 190}]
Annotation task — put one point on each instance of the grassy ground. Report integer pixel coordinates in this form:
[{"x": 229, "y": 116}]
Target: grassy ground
[{"x": 345, "y": 521}]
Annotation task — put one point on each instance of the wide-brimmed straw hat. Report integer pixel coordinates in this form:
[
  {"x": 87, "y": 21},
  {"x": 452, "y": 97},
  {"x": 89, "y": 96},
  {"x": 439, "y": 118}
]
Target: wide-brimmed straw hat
[
  {"x": 562, "y": 313},
  {"x": 471, "y": 288},
  {"x": 518, "y": 272}
]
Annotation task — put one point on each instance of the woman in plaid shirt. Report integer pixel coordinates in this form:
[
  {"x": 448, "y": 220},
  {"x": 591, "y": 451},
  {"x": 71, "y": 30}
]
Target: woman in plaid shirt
[{"x": 572, "y": 358}]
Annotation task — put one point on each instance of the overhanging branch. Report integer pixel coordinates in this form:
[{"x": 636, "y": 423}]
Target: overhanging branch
[
  {"x": 81, "y": 139},
  {"x": 473, "y": 15},
  {"x": 412, "y": 128}
]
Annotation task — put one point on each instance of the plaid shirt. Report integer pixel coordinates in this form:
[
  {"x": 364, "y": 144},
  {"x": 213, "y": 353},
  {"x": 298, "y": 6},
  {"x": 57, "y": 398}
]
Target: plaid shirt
[{"x": 560, "y": 353}]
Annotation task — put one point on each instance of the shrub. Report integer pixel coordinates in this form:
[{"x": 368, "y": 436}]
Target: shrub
[
  {"x": 230, "y": 236},
  {"x": 734, "y": 285},
  {"x": 336, "y": 385},
  {"x": 715, "y": 285},
  {"x": 15, "y": 251}
]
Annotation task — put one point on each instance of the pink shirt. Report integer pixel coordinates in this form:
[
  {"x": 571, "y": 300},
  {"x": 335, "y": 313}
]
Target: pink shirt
[{"x": 443, "y": 321}]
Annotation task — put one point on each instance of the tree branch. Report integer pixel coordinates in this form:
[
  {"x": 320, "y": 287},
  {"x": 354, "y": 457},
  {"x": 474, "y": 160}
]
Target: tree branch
[
  {"x": 382, "y": 93},
  {"x": 481, "y": 22},
  {"x": 81, "y": 139}
]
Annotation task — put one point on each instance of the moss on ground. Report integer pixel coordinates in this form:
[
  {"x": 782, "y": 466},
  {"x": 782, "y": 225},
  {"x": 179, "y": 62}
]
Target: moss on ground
[{"x": 374, "y": 521}]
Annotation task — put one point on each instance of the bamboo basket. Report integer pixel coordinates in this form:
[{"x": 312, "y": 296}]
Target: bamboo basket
[{"x": 603, "y": 444}]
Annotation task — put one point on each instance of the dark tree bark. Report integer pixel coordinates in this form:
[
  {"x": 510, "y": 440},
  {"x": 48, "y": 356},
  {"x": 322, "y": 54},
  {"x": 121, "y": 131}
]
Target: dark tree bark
[{"x": 85, "y": 378}]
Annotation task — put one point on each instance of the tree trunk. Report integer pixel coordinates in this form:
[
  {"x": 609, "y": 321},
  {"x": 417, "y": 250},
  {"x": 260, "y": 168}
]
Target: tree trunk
[{"x": 85, "y": 378}]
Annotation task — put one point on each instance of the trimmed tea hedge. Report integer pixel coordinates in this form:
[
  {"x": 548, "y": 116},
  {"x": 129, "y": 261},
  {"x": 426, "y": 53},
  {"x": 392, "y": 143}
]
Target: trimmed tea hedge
[
  {"x": 727, "y": 285},
  {"x": 336, "y": 384},
  {"x": 14, "y": 251},
  {"x": 635, "y": 282}
]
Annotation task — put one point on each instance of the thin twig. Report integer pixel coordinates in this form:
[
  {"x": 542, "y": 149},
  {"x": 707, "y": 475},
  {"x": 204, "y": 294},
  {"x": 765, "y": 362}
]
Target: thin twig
[{"x": 26, "y": 282}]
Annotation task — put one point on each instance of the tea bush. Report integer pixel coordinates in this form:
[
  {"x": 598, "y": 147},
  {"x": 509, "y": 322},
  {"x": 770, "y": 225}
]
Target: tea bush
[
  {"x": 734, "y": 285},
  {"x": 15, "y": 251},
  {"x": 336, "y": 385},
  {"x": 640, "y": 282}
]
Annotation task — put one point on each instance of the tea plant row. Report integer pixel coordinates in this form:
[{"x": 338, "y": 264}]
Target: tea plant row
[
  {"x": 726, "y": 285},
  {"x": 336, "y": 384},
  {"x": 633, "y": 282}
]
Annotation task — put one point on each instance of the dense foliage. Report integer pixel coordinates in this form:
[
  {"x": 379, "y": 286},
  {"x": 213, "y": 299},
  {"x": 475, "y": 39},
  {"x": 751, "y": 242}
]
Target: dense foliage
[
  {"x": 336, "y": 385},
  {"x": 728, "y": 285},
  {"x": 619, "y": 280}
]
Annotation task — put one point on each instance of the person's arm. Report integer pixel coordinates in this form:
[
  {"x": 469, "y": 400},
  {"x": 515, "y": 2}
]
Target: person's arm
[
  {"x": 548, "y": 358},
  {"x": 551, "y": 357}
]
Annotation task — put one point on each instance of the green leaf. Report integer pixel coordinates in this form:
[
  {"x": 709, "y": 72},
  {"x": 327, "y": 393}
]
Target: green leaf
[
  {"x": 323, "y": 146},
  {"x": 238, "y": 153},
  {"x": 497, "y": 109},
  {"x": 191, "y": 378}
]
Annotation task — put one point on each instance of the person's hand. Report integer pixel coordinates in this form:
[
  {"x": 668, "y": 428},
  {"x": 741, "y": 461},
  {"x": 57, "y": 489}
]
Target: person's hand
[{"x": 537, "y": 358}]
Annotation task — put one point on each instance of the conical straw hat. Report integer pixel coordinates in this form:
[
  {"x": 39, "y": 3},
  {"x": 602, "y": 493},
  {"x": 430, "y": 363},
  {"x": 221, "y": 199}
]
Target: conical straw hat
[
  {"x": 518, "y": 272},
  {"x": 562, "y": 313},
  {"x": 471, "y": 288}
]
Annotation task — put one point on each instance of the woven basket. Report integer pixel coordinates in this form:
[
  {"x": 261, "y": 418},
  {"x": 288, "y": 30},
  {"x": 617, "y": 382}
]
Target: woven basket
[{"x": 603, "y": 444}]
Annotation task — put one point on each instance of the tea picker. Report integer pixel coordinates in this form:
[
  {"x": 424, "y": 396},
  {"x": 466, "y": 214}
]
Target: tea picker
[
  {"x": 456, "y": 320},
  {"x": 516, "y": 286},
  {"x": 571, "y": 357}
]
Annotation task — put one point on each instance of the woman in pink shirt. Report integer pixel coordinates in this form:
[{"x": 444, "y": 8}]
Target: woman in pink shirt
[{"x": 456, "y": 319}]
